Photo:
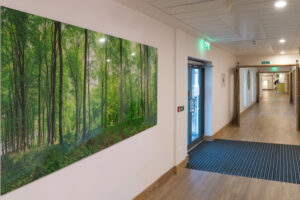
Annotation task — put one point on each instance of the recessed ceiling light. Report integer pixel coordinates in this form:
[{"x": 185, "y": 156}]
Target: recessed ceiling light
[
  {"x": 280, "y": 4},
  {"x": 282, "y": 41},
  {"x": 282, "y": 52}
]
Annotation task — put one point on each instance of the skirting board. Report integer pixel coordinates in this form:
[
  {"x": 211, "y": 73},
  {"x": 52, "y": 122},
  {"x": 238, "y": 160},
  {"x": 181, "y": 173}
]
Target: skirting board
[
  {"x": 214, "y": 136},
  {"x": 161, "y": 180},
  {"x": 182, "y": 165},
  {"x": 247, "y": 109}
]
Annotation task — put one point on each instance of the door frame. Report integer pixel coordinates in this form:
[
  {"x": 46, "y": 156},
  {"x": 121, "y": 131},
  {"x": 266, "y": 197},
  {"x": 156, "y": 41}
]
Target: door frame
[
  {"x": 297, "y": 98},
  {"x": 291, "y": 87},
  {"x": 237, "y": 114},
  {"x": 191, "y": 143}
]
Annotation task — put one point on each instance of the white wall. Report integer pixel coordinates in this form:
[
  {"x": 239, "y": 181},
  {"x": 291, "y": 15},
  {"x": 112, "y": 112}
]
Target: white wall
[
  {"x": 269, "y": 78},
  {"x": 127, "y": 168},
  {"x": 222, "y": 98},
  {"x": 248, "y": 91}
]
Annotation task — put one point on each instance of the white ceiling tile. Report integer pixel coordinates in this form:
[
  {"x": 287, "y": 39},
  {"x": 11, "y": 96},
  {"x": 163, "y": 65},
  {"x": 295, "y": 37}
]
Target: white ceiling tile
[{"x": 266, "y": 26}]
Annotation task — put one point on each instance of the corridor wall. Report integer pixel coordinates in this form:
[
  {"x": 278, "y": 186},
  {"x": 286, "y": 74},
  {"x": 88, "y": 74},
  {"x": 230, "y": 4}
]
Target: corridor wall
[
  {"x": 127, "y": 168},
  {"x": 245, "y": 92},
  {"x": 219, "y": 99}
]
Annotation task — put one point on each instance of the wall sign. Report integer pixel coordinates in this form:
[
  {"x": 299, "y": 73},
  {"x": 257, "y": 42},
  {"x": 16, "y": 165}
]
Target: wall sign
[
  {"x": 248, "y": 79},
  {"x": 223, "y": 80},
  {"x": 68, "y": 92},
  {"x": 180, "y": 108},
  {"x": 265, "y": 62},
  {"x": 274, "y": 69}
]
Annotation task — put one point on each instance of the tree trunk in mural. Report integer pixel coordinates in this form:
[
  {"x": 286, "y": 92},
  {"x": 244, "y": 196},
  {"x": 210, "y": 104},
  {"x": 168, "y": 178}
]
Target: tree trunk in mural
[
  {"x": 121, "y": 85},
  {"x": 16, "y": 93},
  {"x": 141, "y": 82},
  {"x": 47, "y": 97},
  {"x": 147, "y": 78},
  {"x": 39, "y": 101},
  {"x": 61, "y": 72},
  {"x": 84, "y": 83},
  {"x": 53, "y": 84},
  {"x": 105, "y": 84},
  {"x": 130, "y": 95},
  {"x": 102, "y": 102},
  {"x": 88, "y": 83},
  {"x": 145, "y": 82}
]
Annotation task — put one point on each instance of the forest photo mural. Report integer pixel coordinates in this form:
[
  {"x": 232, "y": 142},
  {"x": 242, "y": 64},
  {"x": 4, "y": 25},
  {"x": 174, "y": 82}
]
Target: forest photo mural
[{"x": 66, "y": 93}]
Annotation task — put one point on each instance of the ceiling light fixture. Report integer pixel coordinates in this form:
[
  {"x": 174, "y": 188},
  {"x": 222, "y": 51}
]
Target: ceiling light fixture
[
  {"x": 282, "y": 52},
  {"x": 282, "y": 41},
  {"x": 280, "y": 4}
]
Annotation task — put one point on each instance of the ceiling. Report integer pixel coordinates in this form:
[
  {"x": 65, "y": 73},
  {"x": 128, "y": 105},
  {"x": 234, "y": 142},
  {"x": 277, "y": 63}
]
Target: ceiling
[{"x": 247, "y": 27}]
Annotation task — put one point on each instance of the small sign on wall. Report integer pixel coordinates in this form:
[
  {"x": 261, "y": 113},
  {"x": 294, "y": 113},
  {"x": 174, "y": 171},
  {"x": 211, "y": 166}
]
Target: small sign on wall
[
  {"x": 223, "y": 80},
  {"x": 265, "y": 62},
  {"x": 180, "y": 108}
]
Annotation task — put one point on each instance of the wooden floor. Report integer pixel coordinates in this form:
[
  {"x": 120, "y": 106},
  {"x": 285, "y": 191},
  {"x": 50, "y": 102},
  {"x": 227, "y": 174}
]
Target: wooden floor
[
  {"x": 199, "y": 185},
  {"x": 272, "y": 121}
]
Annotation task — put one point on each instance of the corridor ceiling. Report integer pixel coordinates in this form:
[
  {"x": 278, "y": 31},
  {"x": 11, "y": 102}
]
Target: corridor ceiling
[{"x": 246, "y": 27}]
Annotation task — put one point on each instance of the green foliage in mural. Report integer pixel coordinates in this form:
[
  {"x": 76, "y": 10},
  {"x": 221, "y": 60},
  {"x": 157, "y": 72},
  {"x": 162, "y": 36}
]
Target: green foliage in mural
[{"x": 66, "y": 93}]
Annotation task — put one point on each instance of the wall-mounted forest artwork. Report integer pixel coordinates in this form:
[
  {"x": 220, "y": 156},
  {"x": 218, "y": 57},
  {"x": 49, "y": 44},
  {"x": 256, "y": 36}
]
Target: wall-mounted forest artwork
[{"x": 66, "y": 93}]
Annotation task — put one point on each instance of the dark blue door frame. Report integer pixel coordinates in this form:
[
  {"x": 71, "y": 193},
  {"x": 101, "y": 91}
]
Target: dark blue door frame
[{"x": 195, "y": 104}]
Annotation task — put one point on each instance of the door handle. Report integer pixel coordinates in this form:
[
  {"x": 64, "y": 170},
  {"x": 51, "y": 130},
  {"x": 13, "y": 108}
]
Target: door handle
[{"x": 192, "y": 105}]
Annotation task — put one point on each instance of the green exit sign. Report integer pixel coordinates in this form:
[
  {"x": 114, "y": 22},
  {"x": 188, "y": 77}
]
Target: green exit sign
[
  {"x": 207, "y": 45},
  {"x": 265, "y": 62}
]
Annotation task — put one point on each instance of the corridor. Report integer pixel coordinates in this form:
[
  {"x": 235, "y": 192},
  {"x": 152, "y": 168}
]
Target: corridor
[
  {"x": 272, "y": 121},
  {"x": 150, "y": 99}
]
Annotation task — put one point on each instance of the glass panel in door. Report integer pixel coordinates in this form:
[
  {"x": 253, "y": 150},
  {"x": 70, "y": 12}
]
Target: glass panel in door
[{"x": 195, "y": 106}]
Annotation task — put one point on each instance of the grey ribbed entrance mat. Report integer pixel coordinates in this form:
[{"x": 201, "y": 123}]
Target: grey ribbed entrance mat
[{"x": 275, "y": 162}]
